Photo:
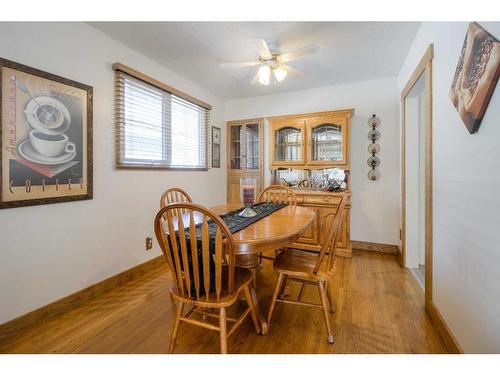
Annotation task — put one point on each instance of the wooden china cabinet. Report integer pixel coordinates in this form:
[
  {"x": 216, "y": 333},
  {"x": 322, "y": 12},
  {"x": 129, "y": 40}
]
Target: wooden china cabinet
[
  {"x": 245, "y": 142},
  {"x": 327, "y": 140},
  {"x": 313, "y": 142},
  {"x": 288, "y": 146},
  {"x": 310, "y": 141}
]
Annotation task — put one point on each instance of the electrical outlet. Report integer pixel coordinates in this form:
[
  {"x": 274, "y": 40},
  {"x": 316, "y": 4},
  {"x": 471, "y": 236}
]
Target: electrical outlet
[{"x": 149, "y": 243}]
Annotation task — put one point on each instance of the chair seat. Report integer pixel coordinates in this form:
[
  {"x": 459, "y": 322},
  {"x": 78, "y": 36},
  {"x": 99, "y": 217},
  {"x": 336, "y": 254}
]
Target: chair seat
[
  {"x": 242, "y": 277},
  {"x": 299, "y": 263}
]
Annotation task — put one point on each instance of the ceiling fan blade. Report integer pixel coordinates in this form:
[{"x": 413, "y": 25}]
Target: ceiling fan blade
[
  {"x": 262, "y": 48},
  {"x": 239, "y": 64},
  {"x": 292, "y": 71},
  {"x": 297, "y": 54},
  {"x": 255, "y": 79}
]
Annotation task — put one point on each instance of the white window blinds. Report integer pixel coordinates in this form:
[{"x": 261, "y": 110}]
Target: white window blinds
[{"x": 158, "y": 129}]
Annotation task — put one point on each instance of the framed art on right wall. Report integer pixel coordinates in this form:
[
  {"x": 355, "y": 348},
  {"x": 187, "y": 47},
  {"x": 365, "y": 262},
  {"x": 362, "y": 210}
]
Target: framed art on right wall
[{"x": 476, "y": 76}]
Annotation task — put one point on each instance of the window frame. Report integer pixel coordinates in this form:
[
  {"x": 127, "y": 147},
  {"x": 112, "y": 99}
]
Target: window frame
[{"x": 119, "y": 161}]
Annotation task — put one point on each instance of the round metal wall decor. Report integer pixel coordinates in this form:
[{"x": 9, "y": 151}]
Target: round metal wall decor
[
  {"x": 373, "y": 175},
  {"x": 373, "y": 135},
  {"x": 374, "y": 148},
  {"x": 374, "y": 122},
  {"x": 373, "y": 162}
]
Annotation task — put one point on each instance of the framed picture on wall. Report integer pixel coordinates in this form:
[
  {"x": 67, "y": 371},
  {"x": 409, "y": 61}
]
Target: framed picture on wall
[
  {"x": 476, "y": 76},
  {"x": 45, "y": 137},
  {"x": 216, "y": 134}
]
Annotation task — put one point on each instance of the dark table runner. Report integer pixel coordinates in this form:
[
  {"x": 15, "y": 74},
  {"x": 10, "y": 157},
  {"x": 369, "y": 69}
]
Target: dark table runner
[{"x": 235, "y": 224}]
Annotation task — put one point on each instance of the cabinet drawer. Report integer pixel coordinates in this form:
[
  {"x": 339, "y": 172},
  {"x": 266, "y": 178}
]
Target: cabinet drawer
[{"x": 322, "y": 199}]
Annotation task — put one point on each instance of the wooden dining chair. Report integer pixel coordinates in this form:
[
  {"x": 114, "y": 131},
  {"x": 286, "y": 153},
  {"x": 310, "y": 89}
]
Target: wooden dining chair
[
  {"x": 310, "y": 268},
  {"x": 203, "y": 269},
  {"x": 174, "y": 195},
  {"x": 276, "y": 194},
  {"x": 304, "y": 184},
  {"x": 284, "y": 182}
]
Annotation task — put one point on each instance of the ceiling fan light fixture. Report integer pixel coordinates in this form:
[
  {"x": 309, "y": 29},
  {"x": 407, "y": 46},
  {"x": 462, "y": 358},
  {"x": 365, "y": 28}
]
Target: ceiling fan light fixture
[
  {"x": 264, "y": 74},
  {"x": 280, "y": 74},
  {"x": 271, "y": 60}
]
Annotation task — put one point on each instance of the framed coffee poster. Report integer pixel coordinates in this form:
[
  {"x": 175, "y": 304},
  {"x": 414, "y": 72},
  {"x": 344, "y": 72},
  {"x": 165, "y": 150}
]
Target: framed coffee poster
[{"x": 46, "y": 137}]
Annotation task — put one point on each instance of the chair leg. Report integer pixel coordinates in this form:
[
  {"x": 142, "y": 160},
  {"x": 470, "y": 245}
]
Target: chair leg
[
  {"x": 248, "y": 296},
  {"x": 223, "y": 330},
  {"x": 275, "y": 296},
  {"x": 324, "y": 303},
  {"x": 301, "y": 291},
  {"x": 173, "y": 337},
  {"x": 254, "y": 277},
  {"x": 330, "y": 297},
  {"x": 283, "y": 292}
]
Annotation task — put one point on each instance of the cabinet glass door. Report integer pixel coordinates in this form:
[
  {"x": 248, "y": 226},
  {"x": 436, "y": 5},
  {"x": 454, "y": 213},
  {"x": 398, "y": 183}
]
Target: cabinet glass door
[
  {"x": 288, "y": 144},
  {"x": 327, "y": 143},
  {"x": 236, "y": 147},
  {"x": 252, "y": 146}
]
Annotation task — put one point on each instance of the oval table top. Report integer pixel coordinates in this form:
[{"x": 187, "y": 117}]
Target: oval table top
[{"x": 279, "y": 229}]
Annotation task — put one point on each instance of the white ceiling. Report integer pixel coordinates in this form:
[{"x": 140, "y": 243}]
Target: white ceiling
[{"x": 349, "y": 51}]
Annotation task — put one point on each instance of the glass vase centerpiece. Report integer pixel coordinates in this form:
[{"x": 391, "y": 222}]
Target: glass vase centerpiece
[{"x": 248, "y": 191}]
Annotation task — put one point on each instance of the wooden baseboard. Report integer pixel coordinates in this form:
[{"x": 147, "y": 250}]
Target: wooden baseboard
[
  {"x": 372, "y": 246},
  {"x": 444, "y": 331},
  {"x": 399, "y": 256},
  {"x": 74, "y": 300}
]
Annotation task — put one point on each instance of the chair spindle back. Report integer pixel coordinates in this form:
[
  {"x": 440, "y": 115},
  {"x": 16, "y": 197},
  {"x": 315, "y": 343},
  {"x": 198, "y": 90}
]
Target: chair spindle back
[
  {"x": 278, "y": 194},
  {"x": 331, "y": 239},
  {"x": 174, "y": 195},
  {"x": 176, "y": 221},
  {"x": 304, "y": 184}
]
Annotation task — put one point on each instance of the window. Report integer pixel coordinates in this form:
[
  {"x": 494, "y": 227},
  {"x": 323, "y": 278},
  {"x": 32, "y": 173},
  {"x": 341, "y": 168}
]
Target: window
[{"x": 158, "y": 126}]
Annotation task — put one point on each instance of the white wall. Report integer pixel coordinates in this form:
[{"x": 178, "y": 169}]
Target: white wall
[
  {"x": 466, "y": 186},
  {"x": 375, "y": 204},
  {"x": 50, "y": 251}
]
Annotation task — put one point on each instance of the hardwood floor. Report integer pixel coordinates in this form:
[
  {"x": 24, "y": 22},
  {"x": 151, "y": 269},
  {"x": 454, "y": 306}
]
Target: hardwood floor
[{"x": 379, "y": 310}]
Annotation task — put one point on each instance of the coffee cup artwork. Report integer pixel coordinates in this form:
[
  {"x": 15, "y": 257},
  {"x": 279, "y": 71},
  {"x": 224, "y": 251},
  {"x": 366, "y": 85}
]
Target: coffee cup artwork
[
  {"x": 48, "y": 120},
  {"x": 51, "y": 145},
  {"x": 46, "y": 154}
]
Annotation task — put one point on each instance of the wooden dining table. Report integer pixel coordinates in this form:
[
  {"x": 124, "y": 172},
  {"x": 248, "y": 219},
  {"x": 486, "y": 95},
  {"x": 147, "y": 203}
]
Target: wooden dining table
[{"x": 279, "y": 229}]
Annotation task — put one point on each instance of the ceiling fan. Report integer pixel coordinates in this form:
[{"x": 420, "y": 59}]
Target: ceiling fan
[{"x": 271, "y": 60}]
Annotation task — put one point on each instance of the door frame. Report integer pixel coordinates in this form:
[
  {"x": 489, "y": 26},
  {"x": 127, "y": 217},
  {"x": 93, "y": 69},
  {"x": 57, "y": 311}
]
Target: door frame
[{"x": 424, "y": 66}]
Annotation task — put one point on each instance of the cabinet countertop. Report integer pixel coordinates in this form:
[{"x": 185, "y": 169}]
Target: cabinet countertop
[{"x": 319, "y": 192}]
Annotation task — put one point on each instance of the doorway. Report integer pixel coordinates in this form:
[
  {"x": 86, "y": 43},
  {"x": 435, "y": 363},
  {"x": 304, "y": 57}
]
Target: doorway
[{"x": 416, "y": 100}]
